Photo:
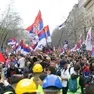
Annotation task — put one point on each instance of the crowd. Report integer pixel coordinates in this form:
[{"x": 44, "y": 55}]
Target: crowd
[{"x": 47, "y": 72}]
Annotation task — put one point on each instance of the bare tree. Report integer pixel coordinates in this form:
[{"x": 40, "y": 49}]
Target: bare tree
[{"x": 9, "y": 25}]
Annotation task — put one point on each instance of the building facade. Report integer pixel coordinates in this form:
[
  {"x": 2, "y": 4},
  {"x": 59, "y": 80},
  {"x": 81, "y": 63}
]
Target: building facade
[
  {"x": 89, "y": 7},
  {"x": 89, "y": 12},
  {"x": 81, "y": 2},
  {"x": 79, "y": 21},
  {"x": 75, "y": 24}
]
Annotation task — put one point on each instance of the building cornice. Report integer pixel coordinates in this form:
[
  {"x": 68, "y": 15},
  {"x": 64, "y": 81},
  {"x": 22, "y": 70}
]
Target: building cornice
[{"x": 86, "y": 3}]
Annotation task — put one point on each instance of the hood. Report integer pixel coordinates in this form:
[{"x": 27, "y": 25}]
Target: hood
[{"x": 73, "y": 76}]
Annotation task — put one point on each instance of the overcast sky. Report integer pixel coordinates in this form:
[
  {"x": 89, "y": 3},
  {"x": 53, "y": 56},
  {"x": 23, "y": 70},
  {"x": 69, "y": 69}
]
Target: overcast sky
[{"x": 54, "y": 12}]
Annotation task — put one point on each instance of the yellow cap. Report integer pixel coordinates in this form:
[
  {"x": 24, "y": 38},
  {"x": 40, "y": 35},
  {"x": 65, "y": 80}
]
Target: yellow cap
[
  {"x": 37, "y": 68},
  {"x": 25, "y": 86}
]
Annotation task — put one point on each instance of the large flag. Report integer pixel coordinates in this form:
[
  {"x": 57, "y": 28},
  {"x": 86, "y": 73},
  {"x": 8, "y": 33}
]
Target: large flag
[
  {"x": 47, "y": 32},
  {"x": 88, "y": 40},
  {"x": 37, "y": 26}
]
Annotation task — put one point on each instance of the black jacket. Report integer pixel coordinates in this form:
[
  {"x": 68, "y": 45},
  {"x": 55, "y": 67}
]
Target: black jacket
[
  {"x": 11, "y": 72},
  {"x": 4, "y": 89}
]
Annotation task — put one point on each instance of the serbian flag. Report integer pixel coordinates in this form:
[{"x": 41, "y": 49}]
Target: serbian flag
[
  {"x": 37, "y": 25},
  {"x": 24, "y": 48},
  {"x": 76, "y": 47},
  {"x": 42, "y": 40},
  {"x": 65, "y": 45},
  {"x": 33, "y": 46},
  {"x": 62, "y": 50},
  {"x": 41, "y": 35},
  {"x": 12, "y": 41},
  {"x": 47, "y": 32},
  {"x": 88, "y": 40},
  {"x": 93, "y": 51}
]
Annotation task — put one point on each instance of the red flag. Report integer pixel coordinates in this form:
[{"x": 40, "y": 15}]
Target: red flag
[{"x": 2, "y": 59}]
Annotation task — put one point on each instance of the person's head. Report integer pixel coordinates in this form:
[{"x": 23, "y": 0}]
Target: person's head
[
  {"x": 52, "y": 85},
  {"x": 51, "y": 70},
  {"x": 35, "y": 59},
  {"x": 77, "y": 67},
  {"x": 12, "y": 65},
  {"x": 92, "y": 64},
  {"x": 63, "y": 64},
  {"x": 20, "y": 56},
  {"x": 28, "y": 63},
  {"x": 26, "y": 86},
  {"x": 37, "y": 69},
  {"x": 48, "y": 59},
  {"x": 53, "y": 60},
  {"x": 84, "y": 60},
  {"x": 6, "y": 56}
]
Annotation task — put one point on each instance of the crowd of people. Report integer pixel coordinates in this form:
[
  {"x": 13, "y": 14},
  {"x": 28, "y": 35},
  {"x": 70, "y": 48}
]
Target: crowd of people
[{"x": 47, "y": 72}]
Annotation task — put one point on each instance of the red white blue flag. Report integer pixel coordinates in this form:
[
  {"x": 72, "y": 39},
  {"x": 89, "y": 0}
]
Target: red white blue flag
[{"x": 37, "y": 26}]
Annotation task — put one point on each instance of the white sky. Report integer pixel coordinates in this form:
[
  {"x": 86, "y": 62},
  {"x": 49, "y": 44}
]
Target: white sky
[{"x": 54, "y": 12}]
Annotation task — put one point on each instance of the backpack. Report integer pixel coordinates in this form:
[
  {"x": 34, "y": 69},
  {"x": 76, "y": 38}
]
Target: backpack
[
  {"x": 70, "y": 69},
  {"x": 72, "y": 85}
]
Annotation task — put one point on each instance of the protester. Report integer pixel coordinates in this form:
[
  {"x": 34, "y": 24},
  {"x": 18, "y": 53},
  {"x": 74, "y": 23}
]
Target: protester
[
  {"x": 37, "y": 70},
  {"x": 27, "y": 70},
  {"x": 74, "y": 80},
  {"x": 70, "y": 67},
  {"x": 12, "y": 71},
  {"x": 52, "y": 85},
  {"x": 40, "y": 82},
  {"x": 51, "y": 70},
  {"x": 5, "y": 87},
  {"x": 21, "y": 62},
  {"x": 64, "y": 76}
]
